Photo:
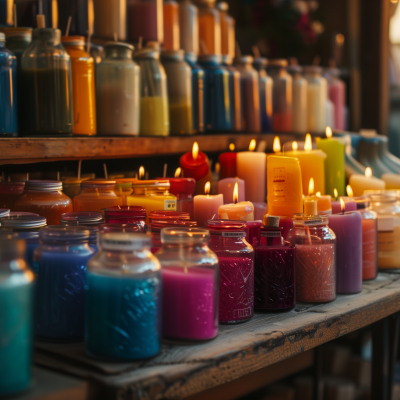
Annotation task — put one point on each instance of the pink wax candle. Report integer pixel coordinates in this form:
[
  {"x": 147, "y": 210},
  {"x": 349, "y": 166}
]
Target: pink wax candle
[
  {"x": 260, "y": 209},
  {"x": 349, "y": 206},
  {"x": 189, "y": 310},
  {"x": 206, "y": 206},
  {"x": 226, "y": 187}
]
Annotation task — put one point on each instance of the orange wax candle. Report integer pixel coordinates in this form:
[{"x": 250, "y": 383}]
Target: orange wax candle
[
  {"x": 369, "y": 253},
  {"x": 239, "y": 211},
  {"x": 310, "y": 206},
  {"x": 324, "y": 204}
]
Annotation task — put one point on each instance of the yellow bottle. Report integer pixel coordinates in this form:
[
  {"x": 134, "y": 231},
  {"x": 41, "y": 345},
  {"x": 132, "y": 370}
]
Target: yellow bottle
[{"x": 154, "y": 119}]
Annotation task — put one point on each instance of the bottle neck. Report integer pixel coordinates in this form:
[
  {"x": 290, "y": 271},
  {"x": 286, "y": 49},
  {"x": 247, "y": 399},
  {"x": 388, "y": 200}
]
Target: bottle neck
[{"x": 118, "y": 53}]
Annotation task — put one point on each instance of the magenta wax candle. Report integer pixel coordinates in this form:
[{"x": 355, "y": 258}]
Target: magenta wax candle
[
  {"x": 236, "y": 265},
  {"x": 287, "y": 225},
  {"x": 124, "y": 214},
  {"x": 253, "y": 232}
]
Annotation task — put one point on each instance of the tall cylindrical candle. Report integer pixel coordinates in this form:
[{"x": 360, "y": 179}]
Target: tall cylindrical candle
[
  {"x": 227, "y": 162},
  {"x": 226, "y": 187}
]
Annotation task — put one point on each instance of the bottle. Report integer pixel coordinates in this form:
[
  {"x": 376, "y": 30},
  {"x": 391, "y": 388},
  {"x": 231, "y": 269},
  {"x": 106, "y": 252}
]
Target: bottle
[
  {"x": 118, "y": 91},
  {"x": 84, "y": 98},
  {"x": 17, "y": 41},
  {"x": 337, "y": 95},
  {"x": 300, "y": 124},
  {"x": 179, "y": 84},
  {"x": 227, "y": 30},
  {"x": 46, "y": 79},
  {"x": 171, "y": 25},
  {"x": 189, "y": 28},
  {"x": 110, "y": 19},
  {"x": 8, "y": 91},
  {"x": 10, "y": 192},
  {"x": 190, "y": 274}
]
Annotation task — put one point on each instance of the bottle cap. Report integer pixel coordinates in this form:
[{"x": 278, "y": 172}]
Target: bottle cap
[
  {"x": 43, "y": 186},
  {"x": 98, "y": 183},
  {"x": 73, "y": 40},
  {"x": 271, "y": 221},
  {"x": 23, "y": 222}
]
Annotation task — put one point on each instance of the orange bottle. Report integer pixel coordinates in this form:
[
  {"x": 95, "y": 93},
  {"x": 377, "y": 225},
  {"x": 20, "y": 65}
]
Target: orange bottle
[
  {"x": 83, "y": 92},
  {"x": 171, "y": 25},
  {"x": 227, "y": 31}
]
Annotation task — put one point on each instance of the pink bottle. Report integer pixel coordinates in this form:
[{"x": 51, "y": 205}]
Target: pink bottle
[{"x": 337, "y": 95}]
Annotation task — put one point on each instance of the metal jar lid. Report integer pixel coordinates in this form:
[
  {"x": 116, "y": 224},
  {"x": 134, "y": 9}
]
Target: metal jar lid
[
  {"x": 43, "y": 186},
  {"x": 23, "y": 222}
]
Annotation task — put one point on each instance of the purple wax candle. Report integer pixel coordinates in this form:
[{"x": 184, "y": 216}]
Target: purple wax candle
[{"x": 349, "y": 205}]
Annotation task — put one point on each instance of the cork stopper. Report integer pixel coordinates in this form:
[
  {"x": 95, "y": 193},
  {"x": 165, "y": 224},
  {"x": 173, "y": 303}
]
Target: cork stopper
[{"x": 271, "y": 221}]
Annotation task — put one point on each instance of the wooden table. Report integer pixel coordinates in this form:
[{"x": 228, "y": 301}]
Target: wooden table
[{"x": 182, "y": 370}]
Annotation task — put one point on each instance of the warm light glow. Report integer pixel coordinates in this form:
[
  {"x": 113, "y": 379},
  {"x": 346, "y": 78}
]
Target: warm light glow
[
  {"x": 318, "y": 194},
  {"x": 54, "y": 14},
  {"x": 342, "y": 206},
  {"x": 340, "y": 38},
  {"x": 207, "y": 188},
  {"x": 195, "y": 150},
  {"x": 252, "y": 146},
  {"x": 328, "y": 132},
  {"x": 231, "y": 147},
  {"x": 311, "y": 187},
  {"x": 368, "y": 172},
  {"x": 394, "y": 1},
  {"x": 178, "y": 172},
  {"x": 335, "y": 193},
  {"x": 349, "y": 191},
  {"x": 141, "y": 172},
  {"x": 308, "y": 143},
  {"x": 277, "y": 145},
  {"x": 236, "y": 193},
  {"x": 295, "y": 146}
]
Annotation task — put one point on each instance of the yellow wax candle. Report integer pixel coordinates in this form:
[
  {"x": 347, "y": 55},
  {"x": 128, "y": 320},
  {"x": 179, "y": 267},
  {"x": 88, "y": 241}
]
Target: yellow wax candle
[
  {"x": 310, "y": 206},
  {"x": 324, "y": 204},
  {"x": 360, "y": 183},
  {"x": 243, "y": 210}
]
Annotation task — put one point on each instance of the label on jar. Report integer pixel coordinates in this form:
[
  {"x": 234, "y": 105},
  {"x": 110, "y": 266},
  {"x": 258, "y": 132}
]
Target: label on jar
[
  {"x": 385, "y": 224},
  {"x": 233, "y": 234},
  {"x": 389, "y": 240},
  {"x": 313, "y": 222},
  {"x": 241, "y": 313},
  {"x": 271, "y": 234},
  {"x": 279, "y": 179},
  {"x": 170, "y": 205}
]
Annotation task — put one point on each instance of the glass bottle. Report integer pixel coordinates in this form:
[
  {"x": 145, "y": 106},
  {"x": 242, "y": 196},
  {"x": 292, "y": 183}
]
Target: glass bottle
[
  {"x": 227, "y": 30},
  {"x": 317, "y": 93},
  {"x": 250, "y": 95},
  {"x": 124, "y": 214},
  {"x": 96, "y": 194},
  {"x": 16, "y": 298},
  {"x": 118, "y": 91},
  {"x": 179, "y": 84},
  {"x": 190, "y": 273},
  {"x": 84, "y": 97},
  {"x": 236, "y": 264},
  {"x": 110, "y": 19},
  {"x": 300, "y": 123},
  {"x": 275, "y": 269},
  {"x": 265, "y": 84},
  {"x": 154, "y": 111},
  {"x": 10, "y": 192},
  {"x": 337, "y": 95},
  {"x": 282, "y": 96},
  {"x": 8, "y": 91},
  {"x": 189, "y": 28},
  {"x": 315, "y": 259},
  {"x": 46, "y": 199},
  {"x": 171, "y": 25},
  {"x": 17, "y": 41},
  {"x": 60, "y": 267},
  {"x": 183, "y": 189}
]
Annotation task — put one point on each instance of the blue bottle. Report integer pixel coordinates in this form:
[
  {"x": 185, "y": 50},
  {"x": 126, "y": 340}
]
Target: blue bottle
[
  {"x": 123, "y": 299},
  {"x": 60, "y": 264},
  {"x": 217, "y": 113},
  {"x": 16, "y": 298},
  {"x": 8, "y": 91}
]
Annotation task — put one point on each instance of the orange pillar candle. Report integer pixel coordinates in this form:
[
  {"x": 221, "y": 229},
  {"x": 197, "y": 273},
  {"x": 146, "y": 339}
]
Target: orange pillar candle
[{"x": 243, "y": 210}]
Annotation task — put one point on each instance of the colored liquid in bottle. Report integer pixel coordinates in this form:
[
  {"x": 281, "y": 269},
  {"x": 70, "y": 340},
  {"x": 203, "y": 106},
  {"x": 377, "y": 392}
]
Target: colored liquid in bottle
[{"x": 154, "y": 119}]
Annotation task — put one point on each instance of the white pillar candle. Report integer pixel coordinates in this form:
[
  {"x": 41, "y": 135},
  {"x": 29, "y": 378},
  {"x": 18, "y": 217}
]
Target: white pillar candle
[
  {"x": 392, "y": 181},
  {"x": 360, "y": 183},
  {"x": 205, "y": 207},
  {"x": 226, "y": 187}
]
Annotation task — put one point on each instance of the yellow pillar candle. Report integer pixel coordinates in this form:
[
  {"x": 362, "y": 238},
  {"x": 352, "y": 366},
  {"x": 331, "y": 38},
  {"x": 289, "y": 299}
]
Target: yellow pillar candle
[
  {"x": 310, "y": 206},
  {"x": 243, "y": 210},
  {"x": 392, "y": 181},
  {"x": 360, "y": 183}
]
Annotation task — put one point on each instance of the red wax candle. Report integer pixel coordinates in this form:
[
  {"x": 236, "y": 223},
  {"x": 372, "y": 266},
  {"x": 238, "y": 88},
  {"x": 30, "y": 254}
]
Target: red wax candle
[{"x": 227, "y": 162}]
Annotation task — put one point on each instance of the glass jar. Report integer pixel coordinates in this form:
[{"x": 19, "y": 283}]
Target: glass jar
[
  {"x": 228, "y": 42},
  {"x": 217, "y": 112},
  {"x": 315, "y": 259},
  {"x": 154, "y": 111},
  {"x": 16, "y": 298},
  {"x": 317, "y": 94},
  {"x": 282, "y": 96},
  {"x": 4, "y": 212},
  {"x": 152, "y": 196},
  {"x": 171, "y": 25},
  {"x": 110, "y": 19},
  {"x": 265, "y": 84},
  {"x": 124, "y": 214},
  {"x": 388, "y": 210},
  {"x": 60, "y": 266},
  {"x": 168, "y": 216},
  {"x": 72, "y": 187},
  {"x": 123, "y": 188},
  {"x": 179, "y": 83},
  {"x": 189, "y": 27},
  {"x": 190, "y": 275},
  {"x": 250, "y": 95},
  {"x": 337, "y": 95},
  {"x": 47, "y": 85},
  {"x": 84, "y": 97},
  {"x": 236, "y": 265},
  {"x": 10, "y": 192},
  {"x": 183, "y": 189},
  {"x": 118, "y": 91},
  {"x": 123, "y": 285},
  {"x": 97, "y": 194},
  {"x": 145, "y": 19},
  {"x": 209, "y": 27},
  {"x": 300, "y": 123},
  {"x": 46, "y": 199},
  {"x": 138, "y": 226},
  {"x": 8, "y": 91}
]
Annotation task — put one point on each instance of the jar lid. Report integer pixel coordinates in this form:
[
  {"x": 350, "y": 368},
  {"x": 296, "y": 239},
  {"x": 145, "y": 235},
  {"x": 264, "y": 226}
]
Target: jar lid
[
  {"x": 312, "y": 69},
  {"x": 98, "y": 183},
  {"x": 159, "y": 224},
  {"x": 73, "y": 40},
  {"x": 310, "y": 220},
  {"x": 93, "y": 230},
  {"x": 4, "y": 212},
  {"x": 23, "y": 221},
  {"x": 119, "y": 45},
  {"x": 64, "y": 234},
  {"x": 226, "y": 227},
  {"x": 82, "y": 218},
  {"x": 182, "y": 235},
  {"x": 173, "y": 55},
  {"x": 125, "y": 211},
  {"x": 124, "y": 241},
  {"x": 131, "y": 227},
  {"x": 168, "y": 215},
  {"x": 295, "y": 69},
  {"x": 278, "y": 62},
  {"x": 162, "y": 184},
  {"x": 19, "y": 213},
  {"x": 43, "y": 186},
  {"x": 17, "y": 32}
]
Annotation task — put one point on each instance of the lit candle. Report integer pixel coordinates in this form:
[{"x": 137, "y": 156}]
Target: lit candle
[
  {"x": 323, "y": 203},
  {"x": 360, "y": 183},
  {"x": 206, "y": 206},
  {"x": 226, "y": 187},
  {"x": 350, "y": 205},
  {"x": 276, "y": 147},
  {"x": 310, "y": 202},
  {"x": 227, "y": 162},
  {"x": 243, "y": 210},
  {"x": 392, "y": 181}
]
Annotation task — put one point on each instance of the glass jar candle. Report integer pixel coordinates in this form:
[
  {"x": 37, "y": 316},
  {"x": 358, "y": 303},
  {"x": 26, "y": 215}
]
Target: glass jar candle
[
  {"x": 60, "y": 266},
  {"x": 179, "y": 86},
  {"x": 47, "y": 84},
  {"x": 189, "y": 27},
  {"x": 190, "y": 275},
  {"x": 227, "y": 30},
  {"x": 16, "y": 299},
  {"x": 110, "y": 19},
  {"x": 97, "y": 194},
  {"x": 124, "y": 214},
  {"x": 315, "y": 259},
  {"x": 209, "y": 27},
  {"x": 46, "y": 199},
  {"x": 84, "y": 97},
  {"x": 183, "y": 189},
  {"x": 10, "y": 192},
  {"x": 171, "y": 25},
  {"x": 118, "y": 91},
  {"x": 236, "y": 265},
  {"x": 123, "y": 285},
  {"x": 123, "y": 188},
  {"x": 154, "y": 110},
  {"x": 300, "y": 123}
]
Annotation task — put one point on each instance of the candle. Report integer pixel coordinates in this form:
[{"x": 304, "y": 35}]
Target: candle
[
  {"x": 310, "y": 206},
  {"x": 392, "y": 181},
  {"x": 260, "y": 209},
  {"x": 206, "y": 206},
  {"x": 251, "y": 168},
  {"x": 348, "y": 230},
  {"x": 243, "y": 211},
  {"x": 360, "y": 183},
  {"x": 226, "y": 187},
  {"x": 227, "y": 162},
  {"x": 334, "y": 162}
]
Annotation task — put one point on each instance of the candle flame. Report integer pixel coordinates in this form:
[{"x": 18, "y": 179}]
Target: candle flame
[
  {"x": 311, "y": 187},
  {"x": 277, "y": 145},
  {"x": 349, "y": 191},
  {"x": 335, "y": 193},
  {"x": 141, "y": 172},
  {"x": 295, "y": 146},
  {"x": 178, "y": 172},
  {"x": 195, "y": 150},
  {"x": 342, "y": 205},
  {"x": 368, "y": 172},
  {"x": 231, "y": 147},
  {"x": 308, "y": 143},
  {"x": 236, "y": 193},
  {"x": 252, "y": 145},
  {"x": 207, "y": 188},
  {"x": 328, "y": 132},
  {"x": 318, "y": 194}
]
